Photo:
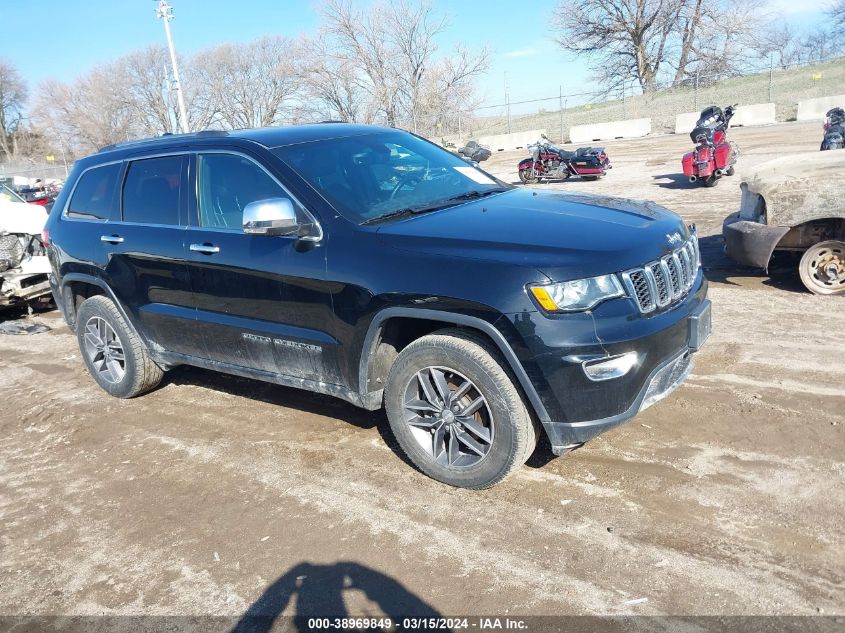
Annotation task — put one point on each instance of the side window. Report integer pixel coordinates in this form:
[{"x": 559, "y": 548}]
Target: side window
[
  {"x": 227, "y": 183},
  {"x": 151, "y": 190},
  {"x": 94, "y": 196}
]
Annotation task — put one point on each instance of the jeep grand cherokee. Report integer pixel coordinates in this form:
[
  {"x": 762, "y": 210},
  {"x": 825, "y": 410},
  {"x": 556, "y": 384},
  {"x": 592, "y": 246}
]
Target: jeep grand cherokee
[{"x": 372, "y": 265}]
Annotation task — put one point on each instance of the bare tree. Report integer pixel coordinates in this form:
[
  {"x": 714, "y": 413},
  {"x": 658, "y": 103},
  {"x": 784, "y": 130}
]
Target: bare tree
[
  {"x": 837, "y": 13},
  {"x": 780, "y": 43},
  {"x": 331, "y": 85},
  {"x": 646, "y": 40},
  {"x": 145, "y": 74},
  {"x": 88, "y": 113},
  {"x": 820, "y": 45},
  {"x": 13, "y": 95},
  {"x": 629, "y": 39},
  {"x": 248, "y": 85},
  {"x": 390, "y": 52}
]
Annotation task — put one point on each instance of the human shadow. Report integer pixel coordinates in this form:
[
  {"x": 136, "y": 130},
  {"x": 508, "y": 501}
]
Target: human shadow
[{"x": 317, "y": 591}]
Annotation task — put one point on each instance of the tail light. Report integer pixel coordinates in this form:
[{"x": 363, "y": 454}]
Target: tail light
[{"x": 45, "y": 236}]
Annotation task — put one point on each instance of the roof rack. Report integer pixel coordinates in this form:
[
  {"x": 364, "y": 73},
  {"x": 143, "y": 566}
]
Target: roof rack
[{"x": 164, "y": 137}]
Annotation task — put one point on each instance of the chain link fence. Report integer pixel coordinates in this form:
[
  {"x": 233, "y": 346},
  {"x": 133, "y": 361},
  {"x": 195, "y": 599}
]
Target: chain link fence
[
  {"x": 784, "y": 87},
  {"x": 18, "y": 174}
]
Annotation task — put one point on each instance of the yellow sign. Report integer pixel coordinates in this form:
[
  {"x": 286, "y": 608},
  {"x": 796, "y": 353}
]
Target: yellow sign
[
  {"x": 50, "y": 159},
  {"x": 817, "y": 77}
]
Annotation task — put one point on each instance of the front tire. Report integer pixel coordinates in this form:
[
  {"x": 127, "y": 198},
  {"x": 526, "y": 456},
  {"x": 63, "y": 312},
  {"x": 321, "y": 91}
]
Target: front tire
[
  {"x": 822, "y": 268},
  {"x": 113, "y": 353},
  {"x": 456, "y": 412},
  {"x": 528, "y": 176}
]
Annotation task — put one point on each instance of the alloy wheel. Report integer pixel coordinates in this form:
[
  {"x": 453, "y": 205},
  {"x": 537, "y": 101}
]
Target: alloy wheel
[
  {"x": 448, "y": 417},
  {"x": 104, "y": 350}
]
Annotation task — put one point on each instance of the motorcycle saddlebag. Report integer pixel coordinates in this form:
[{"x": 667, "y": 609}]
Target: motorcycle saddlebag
[
  {"x": 722, "y": 155},
  {"x": 688, "y": 163}
]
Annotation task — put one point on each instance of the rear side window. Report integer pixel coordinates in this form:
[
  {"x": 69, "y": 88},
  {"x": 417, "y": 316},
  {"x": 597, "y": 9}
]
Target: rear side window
[
  {"x": 94, "y": 196},
  {"x": 151, "y": 190}
]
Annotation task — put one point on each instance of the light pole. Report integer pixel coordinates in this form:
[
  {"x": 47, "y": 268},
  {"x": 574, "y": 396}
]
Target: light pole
[{"x": 165, "y": 12}]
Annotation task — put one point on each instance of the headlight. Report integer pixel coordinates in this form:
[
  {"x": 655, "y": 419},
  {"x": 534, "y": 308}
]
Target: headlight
[{"x": 581, "y": 294}]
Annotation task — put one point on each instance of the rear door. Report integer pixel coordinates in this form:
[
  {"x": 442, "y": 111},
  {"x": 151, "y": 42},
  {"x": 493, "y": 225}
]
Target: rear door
[
  {"x": 147, "y": 265},
  {"x": 262, "y": 301}
]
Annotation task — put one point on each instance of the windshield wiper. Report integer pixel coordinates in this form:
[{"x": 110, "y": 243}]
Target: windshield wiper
[{"x": 436, "y": 206}]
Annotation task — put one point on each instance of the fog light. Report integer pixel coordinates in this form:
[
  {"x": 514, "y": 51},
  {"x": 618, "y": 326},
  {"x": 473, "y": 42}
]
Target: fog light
[{"x": 609, "y": 368}]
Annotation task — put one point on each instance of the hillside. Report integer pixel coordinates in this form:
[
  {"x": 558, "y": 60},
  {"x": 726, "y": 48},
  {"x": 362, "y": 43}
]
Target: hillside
[{"x": 787, "y": 88}]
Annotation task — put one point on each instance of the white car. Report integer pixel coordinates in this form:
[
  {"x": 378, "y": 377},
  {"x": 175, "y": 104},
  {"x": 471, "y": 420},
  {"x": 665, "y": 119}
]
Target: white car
[{"x": 23, "y": 261}]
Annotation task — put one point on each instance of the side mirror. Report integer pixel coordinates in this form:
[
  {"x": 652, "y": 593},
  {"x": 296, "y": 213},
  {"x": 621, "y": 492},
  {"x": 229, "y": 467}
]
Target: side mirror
[{"x": 273, "y": 216}]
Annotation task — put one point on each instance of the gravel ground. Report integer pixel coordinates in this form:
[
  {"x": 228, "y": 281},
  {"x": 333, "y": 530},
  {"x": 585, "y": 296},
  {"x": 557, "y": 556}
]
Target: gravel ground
[{"x": 213, "y": 491}]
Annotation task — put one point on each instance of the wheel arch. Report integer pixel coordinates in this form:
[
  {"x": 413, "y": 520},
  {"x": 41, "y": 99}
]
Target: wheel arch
[
  {"x": 804, "y": 235},
  {"x": 394, "y": 328},
  {"x": 76, "y": 287}
]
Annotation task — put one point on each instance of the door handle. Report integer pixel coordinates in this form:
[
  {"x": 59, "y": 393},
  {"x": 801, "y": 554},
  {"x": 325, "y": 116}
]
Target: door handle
[
  {"x": 111, "y": 239},
  {"x": 207, "y": 249}
]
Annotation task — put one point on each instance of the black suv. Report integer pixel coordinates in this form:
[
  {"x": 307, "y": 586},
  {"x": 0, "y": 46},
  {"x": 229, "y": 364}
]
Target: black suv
[{"x": 372, "y": 265}]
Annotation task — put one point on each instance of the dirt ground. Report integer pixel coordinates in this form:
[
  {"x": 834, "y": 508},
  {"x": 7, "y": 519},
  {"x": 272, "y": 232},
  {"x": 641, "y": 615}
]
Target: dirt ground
[{"x": 215, "y": 495}]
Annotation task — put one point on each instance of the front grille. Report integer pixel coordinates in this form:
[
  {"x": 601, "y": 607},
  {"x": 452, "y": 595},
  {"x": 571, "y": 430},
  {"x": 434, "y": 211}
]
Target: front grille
[{"x": 665, "y": 281}]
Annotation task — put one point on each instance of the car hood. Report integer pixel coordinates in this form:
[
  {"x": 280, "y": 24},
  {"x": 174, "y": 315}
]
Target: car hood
[
  {"x": 563, "y": 235},
  {"x": 19, "y": 217}
]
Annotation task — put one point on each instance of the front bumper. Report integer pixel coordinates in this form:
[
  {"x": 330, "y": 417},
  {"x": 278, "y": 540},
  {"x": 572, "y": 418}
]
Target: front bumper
[
  {"x": 750, "y": 243},
  {"x": 661, "y": 382},
  {"x": 578, "y": 408}
]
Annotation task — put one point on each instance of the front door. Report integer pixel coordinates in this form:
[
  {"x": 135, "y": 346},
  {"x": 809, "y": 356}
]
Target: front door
[{"x": 262, "y": 301}]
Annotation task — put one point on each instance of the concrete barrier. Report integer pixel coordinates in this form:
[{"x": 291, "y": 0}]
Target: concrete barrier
[
  {"x": 815, "y": 109},
  {"x": 747, "y": 115},
  {"x": 684, "y": 123},
  {"x": 514, "y": 140},
  {"x": 754, "y": 114},
  {"x": 632, "y": 128}
]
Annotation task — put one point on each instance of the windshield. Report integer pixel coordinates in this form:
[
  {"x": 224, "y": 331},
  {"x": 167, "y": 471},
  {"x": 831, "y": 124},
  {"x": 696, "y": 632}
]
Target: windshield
[
  {"x": 384, "y": 174},
  {"x": 9, "y": 195}
]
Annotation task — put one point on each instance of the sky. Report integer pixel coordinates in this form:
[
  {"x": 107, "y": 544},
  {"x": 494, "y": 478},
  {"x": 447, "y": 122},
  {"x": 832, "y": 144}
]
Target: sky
[{"x": 60, "y": 39}]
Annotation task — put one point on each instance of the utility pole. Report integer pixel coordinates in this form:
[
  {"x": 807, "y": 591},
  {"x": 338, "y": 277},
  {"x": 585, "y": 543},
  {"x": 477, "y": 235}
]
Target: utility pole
[
  {"x": 560, "y": 107},
  {"x": 771, "y": 75},
  {"x": 165, "y": 12},
  {"x": 508, "y": 102}
]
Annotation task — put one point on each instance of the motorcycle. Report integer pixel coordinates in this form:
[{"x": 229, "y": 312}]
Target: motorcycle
[
  {"x": 475, "y": 152},
  {"x": 834, "y": 130},
  {"x": 549, "y": 162},
  {"x": 714, "y": 156}
]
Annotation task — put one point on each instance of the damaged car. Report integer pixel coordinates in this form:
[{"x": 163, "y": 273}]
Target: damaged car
[
  {"x": 794, "y": 204},
  {"x": 23, "y": 260}
]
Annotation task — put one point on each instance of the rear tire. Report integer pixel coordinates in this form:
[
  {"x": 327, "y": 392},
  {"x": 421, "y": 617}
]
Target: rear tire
[
  {"x": 113, "y": 353},
  {"x": 456, "y": 412},
  {"x": 730, "y": 171},
  {"x": 822, "y": 268},
  {"x": 710, "y": 181}
]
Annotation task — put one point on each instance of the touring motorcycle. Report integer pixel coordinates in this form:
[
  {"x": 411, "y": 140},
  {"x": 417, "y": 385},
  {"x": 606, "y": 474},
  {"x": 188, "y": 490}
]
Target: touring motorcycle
[
  {"x": 714, "y": 156},
  {"x": 834, "y": 130},
  {"x": 475, "y": 152},
  {"x": 549, "y": 162}
]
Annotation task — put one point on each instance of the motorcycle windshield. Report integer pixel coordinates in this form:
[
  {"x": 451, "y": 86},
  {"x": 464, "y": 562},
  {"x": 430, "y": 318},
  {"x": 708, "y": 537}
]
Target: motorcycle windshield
[{"x": 710, "y": 117}]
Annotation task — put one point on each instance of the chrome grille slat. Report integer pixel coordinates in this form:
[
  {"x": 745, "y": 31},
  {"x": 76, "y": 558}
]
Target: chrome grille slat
[
  {"x": 662, "y": 282},
  {"x": 675, "y": 268}
]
